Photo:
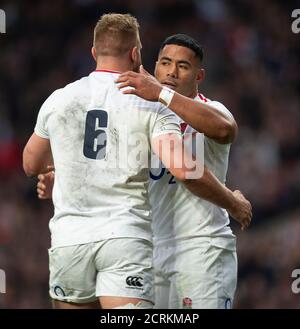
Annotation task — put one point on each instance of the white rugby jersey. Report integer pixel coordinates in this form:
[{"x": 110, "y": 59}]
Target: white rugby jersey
[
  {"x": 98, "y": 137},
  {"x": 177, "y": 213}
]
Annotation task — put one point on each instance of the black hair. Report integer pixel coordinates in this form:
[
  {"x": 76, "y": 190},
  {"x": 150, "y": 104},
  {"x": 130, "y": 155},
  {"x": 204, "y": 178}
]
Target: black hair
[{"x": 185, "y": 41}]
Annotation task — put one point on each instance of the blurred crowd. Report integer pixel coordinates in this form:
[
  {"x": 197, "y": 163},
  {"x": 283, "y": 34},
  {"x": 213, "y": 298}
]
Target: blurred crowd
[
  {"x": 269, "y": 264},
  {"x": 252, "y": 62}
]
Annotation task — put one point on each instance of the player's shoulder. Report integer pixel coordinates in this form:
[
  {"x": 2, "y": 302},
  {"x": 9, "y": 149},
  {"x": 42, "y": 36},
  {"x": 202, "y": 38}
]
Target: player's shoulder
[
  {"x": 142, "y": 104},
  {"x": 155, "y": 107},
  {"x": 74, "y": 89},
  {"x": 216, "y": 104},
  {"x": 65, "y": 95}
]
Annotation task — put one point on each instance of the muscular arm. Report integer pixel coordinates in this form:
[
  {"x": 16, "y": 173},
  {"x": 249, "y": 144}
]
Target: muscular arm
[
  {"x": 37, "y": 155},
  {"x": 205, "y": 119},
  {"x": 209, "y": 188},
  {"x": 202, "y": 117},
  {"x": 204, "y": 184}
]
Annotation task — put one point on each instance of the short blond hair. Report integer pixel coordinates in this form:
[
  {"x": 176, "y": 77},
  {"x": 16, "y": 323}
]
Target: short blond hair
[{"x": 116, "y": 34}]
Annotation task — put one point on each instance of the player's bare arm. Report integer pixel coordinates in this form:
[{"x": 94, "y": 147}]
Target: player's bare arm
[
  {"x": 37, "y": 155},
  {"x": 208, "y": 187},
  {"x": 202, "y": 117},
  {"x": 169, "y": 147}
]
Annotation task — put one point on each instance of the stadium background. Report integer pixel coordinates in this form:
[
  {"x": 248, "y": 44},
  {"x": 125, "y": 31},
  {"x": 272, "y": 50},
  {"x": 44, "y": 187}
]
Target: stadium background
[{"x": 252, "y": 60}]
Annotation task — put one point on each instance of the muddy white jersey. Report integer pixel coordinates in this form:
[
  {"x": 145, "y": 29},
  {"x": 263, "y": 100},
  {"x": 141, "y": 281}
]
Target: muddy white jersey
[
  {"x": 177, "y": 213},
  {"x": 100, "y": 141}
]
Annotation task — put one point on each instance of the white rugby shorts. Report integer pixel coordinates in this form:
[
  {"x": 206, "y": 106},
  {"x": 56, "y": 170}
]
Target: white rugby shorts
[
  {"x": 194, "y": 273},
  {"x": 117, "y": 267}
]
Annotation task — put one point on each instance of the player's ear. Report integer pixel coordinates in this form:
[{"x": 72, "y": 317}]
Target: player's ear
[
  {"x": 94, "y": 53},
  {"x": 200, "y": 75},
  {"x": 134, "y": 54}
]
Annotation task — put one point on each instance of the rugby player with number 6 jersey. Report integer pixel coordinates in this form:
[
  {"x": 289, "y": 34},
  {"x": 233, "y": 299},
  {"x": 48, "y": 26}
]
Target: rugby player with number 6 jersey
[{"x": 101, "y": 237}]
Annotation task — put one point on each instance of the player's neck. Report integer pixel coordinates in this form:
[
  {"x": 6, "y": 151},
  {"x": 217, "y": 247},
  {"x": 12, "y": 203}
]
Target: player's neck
[
  {"x": 114, "y": 65},
  {"x": 194, "y": 94}
]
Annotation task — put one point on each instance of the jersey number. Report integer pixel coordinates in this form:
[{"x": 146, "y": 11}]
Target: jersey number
[{"x": 95, "y": 139}]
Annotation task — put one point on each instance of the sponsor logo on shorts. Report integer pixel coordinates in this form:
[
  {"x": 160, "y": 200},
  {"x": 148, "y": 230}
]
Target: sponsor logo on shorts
[
  {"x": 187, "y": 303},
  {"x": 134, "y": 282},
  {"x": 59, "y": 291}
]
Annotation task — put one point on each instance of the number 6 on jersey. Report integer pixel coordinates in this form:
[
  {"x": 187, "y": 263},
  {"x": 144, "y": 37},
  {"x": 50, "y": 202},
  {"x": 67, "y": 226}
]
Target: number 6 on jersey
[{"x": 95, "y": 139}]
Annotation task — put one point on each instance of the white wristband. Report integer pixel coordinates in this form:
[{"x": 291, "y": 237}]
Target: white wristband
[{"x": 166, "y": 95}]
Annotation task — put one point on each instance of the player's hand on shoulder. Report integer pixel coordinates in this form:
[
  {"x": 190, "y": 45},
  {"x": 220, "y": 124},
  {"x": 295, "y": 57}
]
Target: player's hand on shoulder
[
  {"x": 45, "y": 184},
  {"x": 142, "y": 84},
  {"x": 242, "y": 210}
]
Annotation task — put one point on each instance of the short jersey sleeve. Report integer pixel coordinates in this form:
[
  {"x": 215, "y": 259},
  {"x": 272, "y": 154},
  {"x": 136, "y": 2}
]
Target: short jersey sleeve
[
  {"x": 220, "y": 107},
  {"x": 166, "y": 122},
  {"x": 41, "y": 128}
]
